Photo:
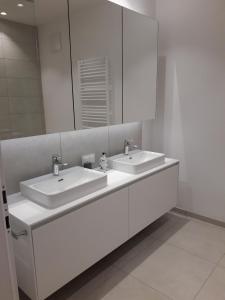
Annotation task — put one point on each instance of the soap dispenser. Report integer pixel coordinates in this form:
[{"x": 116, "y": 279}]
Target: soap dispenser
[{"x": 103, "y": 163}]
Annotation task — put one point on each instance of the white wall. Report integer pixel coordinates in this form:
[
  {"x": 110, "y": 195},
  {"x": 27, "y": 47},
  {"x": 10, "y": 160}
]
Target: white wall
[
  {"x": 146, "y": 7},
  {"x": 191, "y": 103}
]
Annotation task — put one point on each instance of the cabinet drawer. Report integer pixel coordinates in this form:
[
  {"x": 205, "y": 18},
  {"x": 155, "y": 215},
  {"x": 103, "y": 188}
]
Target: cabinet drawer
[
  {"x": 66, "y": 247},
  {"x": 152, "y": 197}
]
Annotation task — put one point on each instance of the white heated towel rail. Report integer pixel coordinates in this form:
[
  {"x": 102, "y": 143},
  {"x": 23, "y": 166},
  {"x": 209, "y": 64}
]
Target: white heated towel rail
[{"x": 94, "y": 92}]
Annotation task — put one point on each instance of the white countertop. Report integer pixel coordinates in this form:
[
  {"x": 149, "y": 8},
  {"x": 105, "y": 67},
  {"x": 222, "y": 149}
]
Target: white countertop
[{"x": 34, "y": 215}]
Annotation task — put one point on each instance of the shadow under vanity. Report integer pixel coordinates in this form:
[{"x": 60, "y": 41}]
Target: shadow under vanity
[{"x": 89, "y": 65}]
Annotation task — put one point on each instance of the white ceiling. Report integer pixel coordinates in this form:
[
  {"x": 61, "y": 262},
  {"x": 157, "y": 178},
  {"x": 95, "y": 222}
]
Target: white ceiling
[
  {"x": 41, "y": 11},
  {"x": 23, "y": 15},
  {"x": 45, "y": 12}
]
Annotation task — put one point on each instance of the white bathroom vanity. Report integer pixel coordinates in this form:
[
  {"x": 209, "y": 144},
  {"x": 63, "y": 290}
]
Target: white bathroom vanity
[{"x": 58, "y": 244}]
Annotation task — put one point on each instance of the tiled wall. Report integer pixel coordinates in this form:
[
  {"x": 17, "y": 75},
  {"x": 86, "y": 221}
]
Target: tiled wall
[
  {"x": 30, "y": 157},
  {"x": 21, "y": 105}
]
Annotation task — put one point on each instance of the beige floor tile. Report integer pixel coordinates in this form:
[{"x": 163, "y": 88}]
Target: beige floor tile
[
  {"x": 161, "y": 230},
  {"x": 171, "y": 270},
  {"x": 87, "y": 286},
  {"x": 214, "y": 289},
  {"x": 129, "y": 265},
  {"x": 167, "y": 226},
  {"x": 222, "y": 262},
  {"x": 108, "y": 285},
  {"x": 202, "y": 239},
  {"x": 131, "y": 289},
  {"x": 123, "y": 258}
]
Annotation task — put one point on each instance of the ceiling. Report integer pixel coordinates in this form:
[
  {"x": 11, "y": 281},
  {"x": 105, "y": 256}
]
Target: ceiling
[
  {"x": 45, "y": 13},
  {"x": 23, "y": 14},
  {"x": 36, "y": 12}
]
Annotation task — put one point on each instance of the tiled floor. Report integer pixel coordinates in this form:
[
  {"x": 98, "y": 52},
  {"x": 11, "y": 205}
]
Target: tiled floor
[{"x": 176, "y": 258}]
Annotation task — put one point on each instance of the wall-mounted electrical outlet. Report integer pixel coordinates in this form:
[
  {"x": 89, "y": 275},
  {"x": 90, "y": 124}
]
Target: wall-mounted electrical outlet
[{"x": 89, "y": 158}]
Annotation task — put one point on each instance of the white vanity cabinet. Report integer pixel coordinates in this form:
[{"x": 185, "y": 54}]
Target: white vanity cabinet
[
  {"x": 67, "y": 246},
  {"x": 24, "y": 258},
  {"x": 60, "y": 248},
  {"x": 152, "y": 197}
]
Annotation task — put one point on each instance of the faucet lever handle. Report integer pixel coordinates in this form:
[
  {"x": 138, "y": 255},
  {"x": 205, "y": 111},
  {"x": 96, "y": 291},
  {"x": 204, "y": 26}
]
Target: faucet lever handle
[
  {"x": 56, "y": 158},
  {"x": 128, "y": 142}
]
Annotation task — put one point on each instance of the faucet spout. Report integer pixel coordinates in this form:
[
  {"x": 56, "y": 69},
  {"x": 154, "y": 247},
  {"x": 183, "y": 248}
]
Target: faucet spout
[{"x": 128, "y": 146}]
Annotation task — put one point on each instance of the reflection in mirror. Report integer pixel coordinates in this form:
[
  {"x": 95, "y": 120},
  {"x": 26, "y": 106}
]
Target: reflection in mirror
[
  {"x": 67, "y": 64},
  {"x": 21, "y": 102},
  {"x": 54, "y": 45},
  {"x": 140, "y": 56},
  {"x": 35, "y": 81},
  {"x": 96, "y": 49}
]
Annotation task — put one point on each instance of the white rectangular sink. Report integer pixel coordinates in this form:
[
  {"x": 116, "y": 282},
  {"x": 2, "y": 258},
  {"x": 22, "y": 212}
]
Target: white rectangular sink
[
  {"x": 137, "y": 161},
  {"x": 53, "y": 191}
]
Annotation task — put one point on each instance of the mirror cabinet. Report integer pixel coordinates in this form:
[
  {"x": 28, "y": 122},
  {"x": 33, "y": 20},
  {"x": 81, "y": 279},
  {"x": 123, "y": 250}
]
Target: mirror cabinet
[{"x": 74, "y": 64}]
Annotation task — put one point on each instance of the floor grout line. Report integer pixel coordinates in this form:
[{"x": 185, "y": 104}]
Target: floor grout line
[
  {"x": 190, "y": 252},
  {"x": 193, "y": 254},
  {"x": 204, "y": 283},
  {"x": 166, "y": 242},
  {"x": 197, "y": 220},
  {"x": 211, "y": 273},
  {"x": 140, "y": 281},
  {"x": 219, "y": 262},
  {"x": 214, "y": 264},
  {"x": 144, "y": 283},
  {"x": 121, "y": 269},
  {"x": 148, "y": 285}
]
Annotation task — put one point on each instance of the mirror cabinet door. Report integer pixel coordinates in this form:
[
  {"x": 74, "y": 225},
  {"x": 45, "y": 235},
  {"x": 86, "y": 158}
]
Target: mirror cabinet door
[
  {"x": 114, "y": 62},
  {"x": 54, "y": 48},
  {"x": 140, "y": 42},
  {"x": 96, "y": 50},
  {"x": 35, "y": 70}
]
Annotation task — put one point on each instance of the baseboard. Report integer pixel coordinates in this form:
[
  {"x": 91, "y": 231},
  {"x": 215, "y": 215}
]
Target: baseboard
[{"x": 199, "y": 217}]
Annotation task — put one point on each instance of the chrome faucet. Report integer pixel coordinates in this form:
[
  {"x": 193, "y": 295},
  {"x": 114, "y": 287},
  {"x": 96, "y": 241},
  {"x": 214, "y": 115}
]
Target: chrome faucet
[
  {"x": 57, "y": 164},
  {"x": 128, "y": 146}
]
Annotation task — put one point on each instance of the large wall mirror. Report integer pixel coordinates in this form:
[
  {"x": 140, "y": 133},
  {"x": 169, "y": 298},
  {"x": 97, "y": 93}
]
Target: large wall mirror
[{"x": 74, "y": 64}]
